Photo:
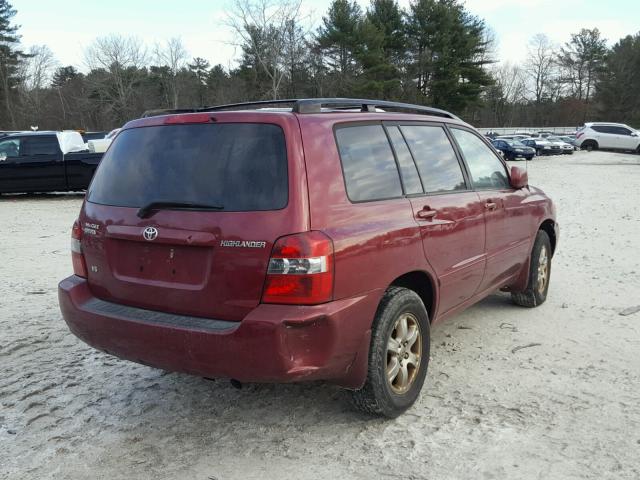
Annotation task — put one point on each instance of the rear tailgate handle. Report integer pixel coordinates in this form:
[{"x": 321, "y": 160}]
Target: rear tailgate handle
[
  {"x": 170, "y": 236},
  {"x": 427, "y": 213}
]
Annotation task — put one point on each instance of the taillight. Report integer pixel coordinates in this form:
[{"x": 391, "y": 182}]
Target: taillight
[
  {"x": 578, "y": 135},
  {"x": 300, "y": 270},
  {"x": 188, "y": 118},
  {"x": 77, "y": 257}
]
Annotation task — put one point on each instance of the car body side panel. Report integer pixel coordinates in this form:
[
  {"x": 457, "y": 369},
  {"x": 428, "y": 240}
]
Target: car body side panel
[
  {"x": 508, "y": 235},
  {"x": 381, "y": 234},
  {"x": 454, "y": 243},
  {"x": 79, "y": 168}
]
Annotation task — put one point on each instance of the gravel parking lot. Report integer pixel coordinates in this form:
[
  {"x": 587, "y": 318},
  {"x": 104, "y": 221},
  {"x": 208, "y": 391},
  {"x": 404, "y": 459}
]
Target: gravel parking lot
[{"x": 552, "y": 392}]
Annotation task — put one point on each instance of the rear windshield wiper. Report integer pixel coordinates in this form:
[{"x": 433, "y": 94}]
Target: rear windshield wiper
[{"x": 149, "y": 207}]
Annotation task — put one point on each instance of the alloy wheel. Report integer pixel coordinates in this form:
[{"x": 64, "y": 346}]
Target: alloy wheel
[
  {"x": 404, "y": 353},
  {"x": 543, "y": 270}
]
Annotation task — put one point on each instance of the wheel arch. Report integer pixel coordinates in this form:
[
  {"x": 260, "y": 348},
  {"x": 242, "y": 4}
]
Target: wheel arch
[
  {"x": 549, "y": 227},
  {"x": 424, "y": 285}
]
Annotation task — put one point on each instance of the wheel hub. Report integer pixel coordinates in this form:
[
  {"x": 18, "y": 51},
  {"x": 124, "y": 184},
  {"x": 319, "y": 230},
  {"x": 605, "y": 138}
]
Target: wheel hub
[
  {"x": 404, "y": 352},
  {"x": 543, "y": 270}
]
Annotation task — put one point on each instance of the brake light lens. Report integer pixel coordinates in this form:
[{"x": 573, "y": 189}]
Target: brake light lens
[
  {"x": 300, "y": 270},
  {"x": 77, "y": 257},
  {"x": 579, "y": 134},
  {"x": 182, "y": 119}
]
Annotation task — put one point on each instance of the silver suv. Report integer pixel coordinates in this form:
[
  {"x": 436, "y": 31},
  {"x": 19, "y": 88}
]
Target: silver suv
[{"x": 611, "y": 136}]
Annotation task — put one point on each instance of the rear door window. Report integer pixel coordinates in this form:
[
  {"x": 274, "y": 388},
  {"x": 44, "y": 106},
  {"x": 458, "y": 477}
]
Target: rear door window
[
  {"x": 622, "y": 131},
  {"x": 435, "y": 157},
  {"x": 370, "y": 170},
  {"x": 486, "y": 169},
  {"x": 239, "y": 166},
  {"x": 40, "y": 146}
]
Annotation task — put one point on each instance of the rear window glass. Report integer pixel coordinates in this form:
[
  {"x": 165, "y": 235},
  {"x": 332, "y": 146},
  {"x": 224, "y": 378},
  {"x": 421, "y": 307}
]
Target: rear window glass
[
  {"x": 240, "y": 166},
  {"x": 370, "y": 171}
]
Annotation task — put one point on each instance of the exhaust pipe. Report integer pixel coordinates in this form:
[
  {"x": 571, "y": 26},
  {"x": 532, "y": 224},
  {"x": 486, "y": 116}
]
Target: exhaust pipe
[{"x": 236, "y": 384}]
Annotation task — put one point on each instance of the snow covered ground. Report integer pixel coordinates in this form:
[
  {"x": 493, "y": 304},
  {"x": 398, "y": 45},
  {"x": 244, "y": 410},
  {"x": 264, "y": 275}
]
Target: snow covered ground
[{"x": 565, "y": 407}]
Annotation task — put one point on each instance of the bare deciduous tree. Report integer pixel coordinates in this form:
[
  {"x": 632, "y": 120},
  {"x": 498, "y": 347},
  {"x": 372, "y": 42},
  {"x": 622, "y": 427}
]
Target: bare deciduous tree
[
  {"x": 262, "y": 26},
  {"x": 540, "y": 67},
  {"x": 511, "y": 83},
  {"x": 36, "y": 72},
  {"x": 120, "y": 58},
  {"x": 581, "y": 60},
  {"x": 174, "y": 56}
]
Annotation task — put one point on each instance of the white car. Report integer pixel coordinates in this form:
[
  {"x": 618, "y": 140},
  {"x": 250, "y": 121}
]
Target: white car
[
  {"x": 611, "y": 136},
  {"x": 566, "y": 147},
  {"x": 542, "y": 146},
  {"x": 101, "y": 145}
]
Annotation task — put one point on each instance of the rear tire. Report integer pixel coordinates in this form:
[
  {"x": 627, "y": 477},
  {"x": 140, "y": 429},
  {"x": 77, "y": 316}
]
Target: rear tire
[
  {"x": 398, "y": 355},
  {"x": 589, "y": 145},
  {"x": 539, "y": 274}
]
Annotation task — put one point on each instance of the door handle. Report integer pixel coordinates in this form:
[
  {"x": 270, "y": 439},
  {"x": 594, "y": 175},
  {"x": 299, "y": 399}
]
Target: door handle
[
  {"x": 426, "y": 213},
  {"x": 491, "y": 205}
]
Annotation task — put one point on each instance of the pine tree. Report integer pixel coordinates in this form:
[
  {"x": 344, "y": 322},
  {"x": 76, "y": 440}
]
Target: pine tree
[
  {"x": 63, "y": 75},
  {"x": 337, "y": 39},
  {"x": 448, "y": 48},
  {"x": 380, "y": 51},
  {"x": 386, "y": 16},
  {"x": 617, "y": 92},
  {"x": 200, "y": 70},
  {"x": 10, "y": 56},
  {"x": 581, "y": 59},
  {"x": 379, "y": 77}
]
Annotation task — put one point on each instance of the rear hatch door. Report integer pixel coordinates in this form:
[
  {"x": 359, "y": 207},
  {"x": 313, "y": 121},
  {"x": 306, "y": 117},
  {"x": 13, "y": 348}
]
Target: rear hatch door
[{"x": 181, "y": 217}]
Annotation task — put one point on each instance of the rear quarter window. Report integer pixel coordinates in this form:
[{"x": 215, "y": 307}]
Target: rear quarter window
[{"x": 240, "y": 166}]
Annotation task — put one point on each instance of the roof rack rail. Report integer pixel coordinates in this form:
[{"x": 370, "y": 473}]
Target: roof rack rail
[
  {"x": 314, "y": 105},
  {"x": 258, "y": 103}
]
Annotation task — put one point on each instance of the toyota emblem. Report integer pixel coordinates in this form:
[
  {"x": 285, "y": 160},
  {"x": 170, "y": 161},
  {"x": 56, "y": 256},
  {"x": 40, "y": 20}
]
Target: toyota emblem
[{"x": 150, "y": 233}]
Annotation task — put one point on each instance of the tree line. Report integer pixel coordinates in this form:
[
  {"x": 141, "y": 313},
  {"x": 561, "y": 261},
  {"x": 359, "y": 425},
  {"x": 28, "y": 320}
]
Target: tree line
[{"x": 435, "y": 53}]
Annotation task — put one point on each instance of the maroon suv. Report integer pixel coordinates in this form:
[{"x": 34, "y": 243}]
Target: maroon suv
[{"x": 315, "y": 242}]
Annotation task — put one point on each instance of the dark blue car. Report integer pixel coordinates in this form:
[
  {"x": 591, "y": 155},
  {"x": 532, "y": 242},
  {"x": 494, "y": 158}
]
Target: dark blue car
[{"x": 513, "y": 149}]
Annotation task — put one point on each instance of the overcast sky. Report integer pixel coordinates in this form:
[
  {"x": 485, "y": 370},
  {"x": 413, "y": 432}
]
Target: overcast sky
[{"x": 67, "y": 26}]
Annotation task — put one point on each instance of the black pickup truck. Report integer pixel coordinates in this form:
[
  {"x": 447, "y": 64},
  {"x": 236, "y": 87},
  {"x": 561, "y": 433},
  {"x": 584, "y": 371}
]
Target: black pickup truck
[{"x": 39, "y": 162}]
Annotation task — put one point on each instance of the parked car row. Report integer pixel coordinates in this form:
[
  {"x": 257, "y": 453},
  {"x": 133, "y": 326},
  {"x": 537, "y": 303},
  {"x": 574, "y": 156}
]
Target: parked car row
[
  {"x": 522, "y": 146},
  {"x": 591, "y": 136}
]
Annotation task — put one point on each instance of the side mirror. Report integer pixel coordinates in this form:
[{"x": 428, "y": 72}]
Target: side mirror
[
  {"x": 634, "y": 134},
  {"x": 519, "y": 178}
]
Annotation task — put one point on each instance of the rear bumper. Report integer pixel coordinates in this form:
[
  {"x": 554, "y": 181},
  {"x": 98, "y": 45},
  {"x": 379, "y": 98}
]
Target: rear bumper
[{"x": 274, "y": 343}]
